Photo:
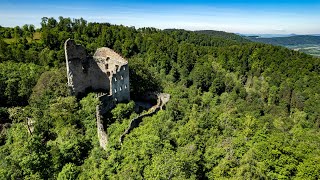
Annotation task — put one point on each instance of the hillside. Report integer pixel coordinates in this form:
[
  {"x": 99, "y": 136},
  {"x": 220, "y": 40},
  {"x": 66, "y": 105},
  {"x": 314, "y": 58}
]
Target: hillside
[
  {"x": 237, "y": 109},
  {"x": 223, "y": 34},
  {"x": 286, "y": 41},
  {"x": 303, "y": 43}
]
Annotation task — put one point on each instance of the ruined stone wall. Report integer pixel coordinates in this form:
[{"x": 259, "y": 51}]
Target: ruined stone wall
[
  {"x": 83, "y": 72},
  {"x": 117, "y": 69},
  {"x": 102, "y": 135},
  {"x": 74, "y": 51},
  {"x": 120, "y": 84},
  {"x": 107, "y": 103},
  {"x": 162, "y": 99},
  {"x": 105, "y": 72},
  {"x": 76, "y": 61}
]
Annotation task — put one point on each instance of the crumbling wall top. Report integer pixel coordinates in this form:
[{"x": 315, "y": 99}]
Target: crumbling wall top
[
  {"x": 74, "y": 51},
  {"x": 107, "y": 53}
]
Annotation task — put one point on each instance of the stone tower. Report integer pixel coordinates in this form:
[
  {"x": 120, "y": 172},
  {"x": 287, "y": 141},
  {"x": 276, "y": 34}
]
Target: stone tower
[{"x": 105, "y": 71}]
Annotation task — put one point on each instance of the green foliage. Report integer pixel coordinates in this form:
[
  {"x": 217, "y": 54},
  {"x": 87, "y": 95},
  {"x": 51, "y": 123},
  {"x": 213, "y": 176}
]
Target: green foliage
[
  {"x": 122, "y": 110},
  {"x": 4, "y": 124},
  {"x": 51, "y": 84},
  {"x": 224, "y": 35},
  {"x": 87, "y": 116},
  {"x": 4, "y": 115},
  {"x": 69, "y": 171},
  {"x": 16, "y": 82},
  {"x": 142, "y": 80}
]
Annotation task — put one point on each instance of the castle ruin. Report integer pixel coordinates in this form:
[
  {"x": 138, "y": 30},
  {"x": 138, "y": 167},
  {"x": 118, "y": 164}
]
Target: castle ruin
[{"x": 105, "y": 72}]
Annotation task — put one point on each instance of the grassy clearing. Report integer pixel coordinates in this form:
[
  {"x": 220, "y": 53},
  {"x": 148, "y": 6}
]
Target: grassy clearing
[
  {"x": 36, "y": 37},
  {"x": 312, "y": 49}
]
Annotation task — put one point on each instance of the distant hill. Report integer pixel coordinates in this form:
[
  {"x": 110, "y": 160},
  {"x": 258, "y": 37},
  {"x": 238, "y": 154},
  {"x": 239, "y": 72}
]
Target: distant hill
[
  {"x": 286, "y": 41},
  {"x": 223, "y": 34},
  {"x": 268, "y": 35},
  {"x": 217, "y": 35}
]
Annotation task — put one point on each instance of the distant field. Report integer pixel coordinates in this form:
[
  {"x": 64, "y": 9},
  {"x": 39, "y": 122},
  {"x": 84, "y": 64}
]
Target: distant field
[
  {"x": 312, "y": 49},
  {"x": 309, "y": 44},
  {"x": 36, "y": 36}
]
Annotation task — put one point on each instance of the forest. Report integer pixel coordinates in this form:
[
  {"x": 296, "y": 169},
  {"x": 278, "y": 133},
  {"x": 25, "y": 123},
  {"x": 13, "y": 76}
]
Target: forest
[{"x": 238, "y": 109}]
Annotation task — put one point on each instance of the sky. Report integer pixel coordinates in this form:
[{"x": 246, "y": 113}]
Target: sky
[{"x": 237, "y": 16}]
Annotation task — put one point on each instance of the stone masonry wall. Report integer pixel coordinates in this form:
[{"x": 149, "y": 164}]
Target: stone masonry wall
[
  {"x": 102, "y": 135},
  {"x": 83, "y": 72},
  {"x": 106, "y": 71},
  {"x": 120, "y": 84}
]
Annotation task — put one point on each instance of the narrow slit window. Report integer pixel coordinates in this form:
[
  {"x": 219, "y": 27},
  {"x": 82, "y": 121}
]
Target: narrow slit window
[
  {"x": 120, "y": 89},
  {"x": 115, "y": 91}
]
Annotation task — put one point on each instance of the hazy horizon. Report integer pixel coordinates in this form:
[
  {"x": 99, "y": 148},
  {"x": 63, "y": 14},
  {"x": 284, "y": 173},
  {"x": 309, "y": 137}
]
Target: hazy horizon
[{"x": 236, "y": 16}]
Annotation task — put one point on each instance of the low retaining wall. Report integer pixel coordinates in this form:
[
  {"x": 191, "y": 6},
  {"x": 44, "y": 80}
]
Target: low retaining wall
[
  {"x": 106, "y": 105},
  {"x": 102, "y": 135},
  {"x": 162, "y": 99}
]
